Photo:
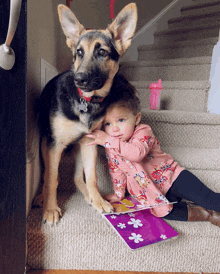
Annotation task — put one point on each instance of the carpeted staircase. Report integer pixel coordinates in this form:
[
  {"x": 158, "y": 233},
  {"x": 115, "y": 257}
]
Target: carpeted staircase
[{"x": 181, "y": 56}]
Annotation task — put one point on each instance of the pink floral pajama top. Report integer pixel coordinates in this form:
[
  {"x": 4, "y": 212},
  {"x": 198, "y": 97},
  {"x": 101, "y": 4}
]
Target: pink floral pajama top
[{"x": 142, "y": 167}]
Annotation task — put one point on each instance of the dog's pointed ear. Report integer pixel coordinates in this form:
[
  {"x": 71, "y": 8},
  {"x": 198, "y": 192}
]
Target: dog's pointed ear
[
  {"x": 70, "y": 25},
  {"x": 123, "y": 27}
]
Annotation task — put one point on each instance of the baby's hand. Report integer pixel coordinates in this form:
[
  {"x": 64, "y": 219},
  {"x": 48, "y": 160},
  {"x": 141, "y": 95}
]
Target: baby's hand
[
  {"x": 112, "y": 198},
  {"x": 99, "y": 136}
]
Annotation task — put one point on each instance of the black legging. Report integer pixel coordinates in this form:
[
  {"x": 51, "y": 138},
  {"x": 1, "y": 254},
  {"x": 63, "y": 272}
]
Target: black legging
[{"x": 187, "y": 186}]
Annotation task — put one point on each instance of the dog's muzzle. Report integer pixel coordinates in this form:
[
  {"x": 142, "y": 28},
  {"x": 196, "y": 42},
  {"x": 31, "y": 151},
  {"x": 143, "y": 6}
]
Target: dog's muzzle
[
  {"x": 89, "y": 83},
  {"x": 81, "y": 79}
]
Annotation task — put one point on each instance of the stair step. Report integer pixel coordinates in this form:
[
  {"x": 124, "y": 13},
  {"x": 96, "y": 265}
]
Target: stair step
[
  {"x": 200, "y": 8},
  {"x": 184, "y": 129},
  {"x": 49, "y": 246},
  {"x": 149, "y": 52},
  {"x": 177, "y": 95},
  {"x": 195, "y": 158},
  {"x": 204, "y": 163},
  {"x": 195, "y": 20},
  {"x": 185, "y": 43},
  {"x": 198, "y": 160},
  {"x": 205, "y": 1},
  {"x": 181, "y": 69},
  {"x": 152, "y": 51},
  {"x": 187, "y": 33}
]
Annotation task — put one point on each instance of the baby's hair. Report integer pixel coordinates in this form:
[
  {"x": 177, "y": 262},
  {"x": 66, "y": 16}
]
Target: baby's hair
[
  {"x": 130, "y": 102},
  {"x": 125, "y": 95}
]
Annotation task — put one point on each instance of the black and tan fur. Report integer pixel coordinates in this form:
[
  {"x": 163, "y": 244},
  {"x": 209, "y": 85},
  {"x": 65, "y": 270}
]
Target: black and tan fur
[{"x": 94, "y": 70}]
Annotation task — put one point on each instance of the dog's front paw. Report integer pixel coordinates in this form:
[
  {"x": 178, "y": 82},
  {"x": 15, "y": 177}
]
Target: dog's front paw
[
  {"x": 52, "y": 216},
  {"x": 107, "y": 207},
  {"x": 101, "y": 205}
]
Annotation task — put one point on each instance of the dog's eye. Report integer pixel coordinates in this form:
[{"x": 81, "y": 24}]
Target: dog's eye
[
  {"x": 79, "y": 52},
  {"x": 102, "y": 52}
]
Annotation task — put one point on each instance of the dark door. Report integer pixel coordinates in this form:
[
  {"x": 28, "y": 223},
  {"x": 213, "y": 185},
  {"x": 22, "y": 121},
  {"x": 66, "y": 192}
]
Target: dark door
[{"x": 13, "y": 148}]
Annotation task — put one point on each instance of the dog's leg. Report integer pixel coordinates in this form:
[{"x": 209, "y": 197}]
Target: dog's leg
[
  {"x": 78, "y": 175},
  {"x": 89, "y": 156},
  {"x": 51, "y": 211}
]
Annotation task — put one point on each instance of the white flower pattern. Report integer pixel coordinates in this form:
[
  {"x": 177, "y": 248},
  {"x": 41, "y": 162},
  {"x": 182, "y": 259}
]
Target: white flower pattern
[
  {"x": 162, "y": 236},
  {"x": 136, "y": 237},
  {"x": 135, "y": 223},
  {"x": 121, "y": 225},
  {"x": 131, "y": 214}
]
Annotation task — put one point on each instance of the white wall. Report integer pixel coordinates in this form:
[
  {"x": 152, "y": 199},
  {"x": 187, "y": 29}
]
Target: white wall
[{"x": 214, "y": 93}]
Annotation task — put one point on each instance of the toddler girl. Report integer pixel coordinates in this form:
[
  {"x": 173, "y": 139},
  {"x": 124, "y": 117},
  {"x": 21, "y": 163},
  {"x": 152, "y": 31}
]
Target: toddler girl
[{"x": 150, "y": 175}]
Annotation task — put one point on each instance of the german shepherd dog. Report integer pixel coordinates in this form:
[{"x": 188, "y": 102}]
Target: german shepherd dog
[{"x": 73, "y": 104}]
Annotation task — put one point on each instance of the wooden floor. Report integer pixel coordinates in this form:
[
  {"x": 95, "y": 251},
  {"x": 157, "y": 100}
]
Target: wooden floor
[{"x": 98, "y": 272}]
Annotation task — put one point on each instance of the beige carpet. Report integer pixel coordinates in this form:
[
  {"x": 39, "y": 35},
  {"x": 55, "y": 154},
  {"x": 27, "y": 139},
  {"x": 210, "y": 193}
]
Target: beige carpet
[{"x": 84, "y": 240}]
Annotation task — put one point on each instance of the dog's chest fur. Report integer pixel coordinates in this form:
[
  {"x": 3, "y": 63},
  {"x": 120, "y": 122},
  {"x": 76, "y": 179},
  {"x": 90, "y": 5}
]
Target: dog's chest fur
[
  {"x": 87, "y": 118},
  {"x": 68, "y": 121}
]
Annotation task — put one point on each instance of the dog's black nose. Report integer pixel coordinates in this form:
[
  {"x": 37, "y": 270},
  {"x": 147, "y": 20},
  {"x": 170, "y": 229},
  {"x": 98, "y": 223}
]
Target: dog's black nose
[{"x": 81, "y": 79}]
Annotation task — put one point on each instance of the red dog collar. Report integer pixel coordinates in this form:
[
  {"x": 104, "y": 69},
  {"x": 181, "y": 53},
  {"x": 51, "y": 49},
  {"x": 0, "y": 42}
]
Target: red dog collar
[{"x": 88, "y": 99}]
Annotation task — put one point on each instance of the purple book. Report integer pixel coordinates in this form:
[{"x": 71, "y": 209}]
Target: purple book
[{"x": 137, "y": 226}]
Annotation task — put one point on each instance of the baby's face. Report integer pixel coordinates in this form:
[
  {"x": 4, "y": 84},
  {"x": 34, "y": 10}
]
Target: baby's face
[{"x": 120, "y": 122}]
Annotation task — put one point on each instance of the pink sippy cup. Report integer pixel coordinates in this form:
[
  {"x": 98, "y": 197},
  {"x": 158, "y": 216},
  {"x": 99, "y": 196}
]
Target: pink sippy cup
[{"x": 155, "y": 89}]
